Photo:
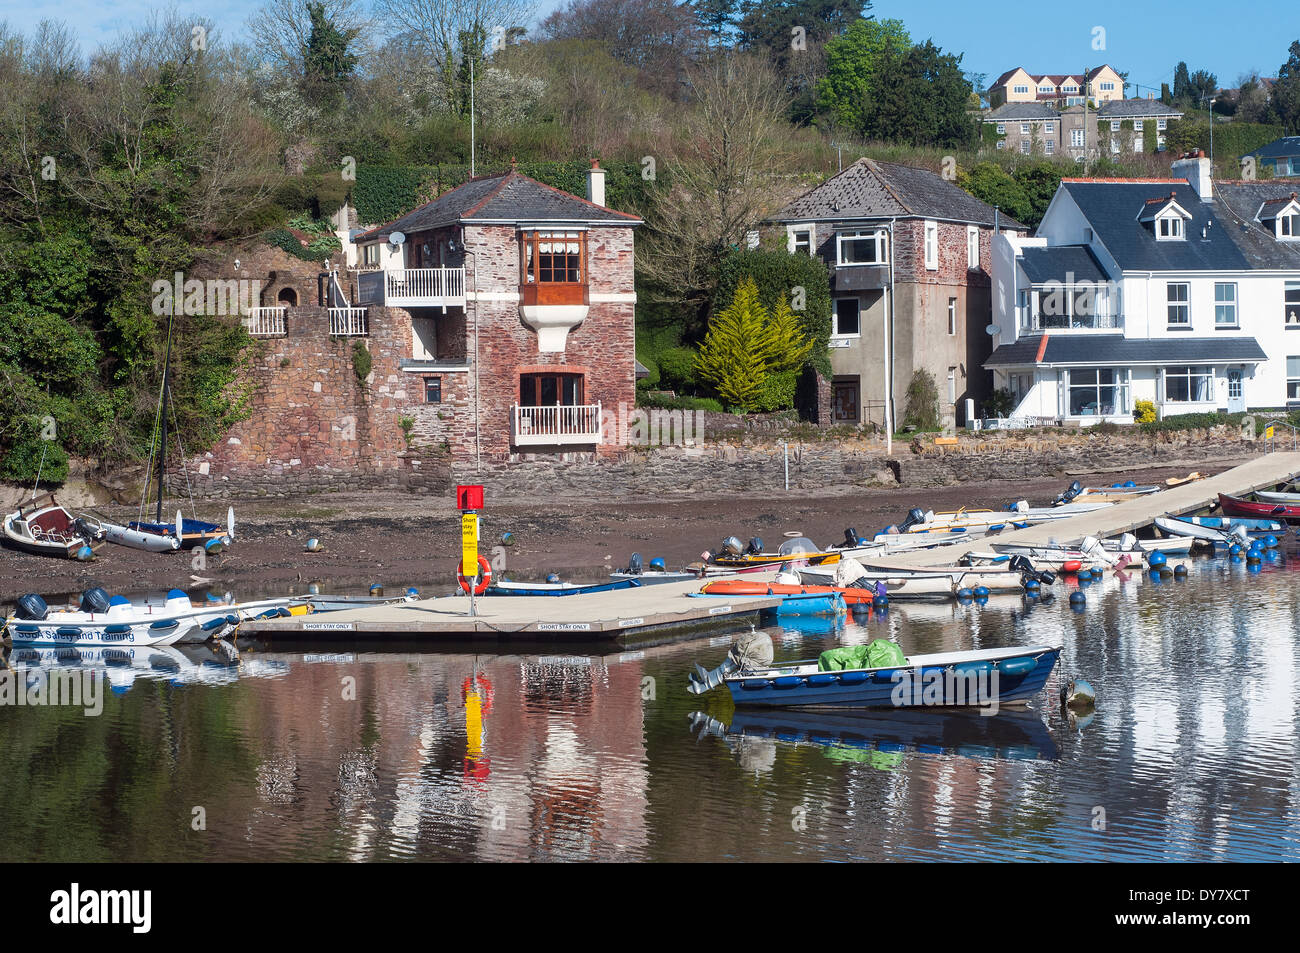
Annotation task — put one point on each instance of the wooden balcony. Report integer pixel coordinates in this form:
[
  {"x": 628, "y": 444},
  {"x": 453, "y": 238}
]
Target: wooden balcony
[
  {"x": 555, "y": 426},
  {"x": 553, "y": 293},
  {"x": 412, "y": 288}
]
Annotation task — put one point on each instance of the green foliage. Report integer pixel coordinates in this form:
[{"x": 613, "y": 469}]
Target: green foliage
[
  {"x": 1023, "y": 193},
  {"x": 677, "y": 369},
  {"x": 362, "y": 362},
  {"x": 777, "y": 391},
  {"x": 408, "y": 427},
  {"x": 733, "y": 357},
  {"x": 679, "y": 402},
  {"x": 1000, "y": 404},
  {"x": 922, "y": 409},
  {"x": 853, "y": 60},
  {"x": 777, "y": 273},
  {"x": 288, "y": 241},
  {"x": 327, "y": 62},
  {"x": 1192, "y": 422},
  {"x": 1231, "y": 139},
  {"x": 1144, "y": 411}
]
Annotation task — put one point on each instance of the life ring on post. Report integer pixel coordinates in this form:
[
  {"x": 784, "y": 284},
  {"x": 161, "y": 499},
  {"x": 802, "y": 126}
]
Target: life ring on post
[{"x": 484, "y": 576}]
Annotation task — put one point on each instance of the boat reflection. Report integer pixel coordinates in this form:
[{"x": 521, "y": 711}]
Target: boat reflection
[
  {"x": 211, "y": 663},
  {"x": 880, "y": 738}
]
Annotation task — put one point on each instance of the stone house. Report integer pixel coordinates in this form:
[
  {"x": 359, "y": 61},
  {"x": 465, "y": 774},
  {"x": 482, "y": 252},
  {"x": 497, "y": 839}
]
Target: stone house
[
  {"x": 1119, "y": 126},
  {"x": 908, "y": 255}
]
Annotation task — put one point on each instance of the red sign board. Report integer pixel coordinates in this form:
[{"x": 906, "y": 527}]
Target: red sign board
[{"x": 469, "y": 497}]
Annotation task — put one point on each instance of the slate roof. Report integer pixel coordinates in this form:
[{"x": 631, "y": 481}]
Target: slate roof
[
  {"x": 1136, "y": 109},
  {"x": 1059, "y": 262},
  {"x": 1117, "y": 350},
  {"x": 503, "y": 197},
  {"x": 1237, "y": 203},
  {"x": 1021, "y": 112},
  {"x": 1286, "y": 146},
  {"x": 1112, "y": 208},
  {"x": 870, "y": 190}
]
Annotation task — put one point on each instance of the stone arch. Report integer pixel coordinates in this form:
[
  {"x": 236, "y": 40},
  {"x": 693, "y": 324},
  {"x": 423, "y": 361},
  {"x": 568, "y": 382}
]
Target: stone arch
[{"x": 287, "y": 297}]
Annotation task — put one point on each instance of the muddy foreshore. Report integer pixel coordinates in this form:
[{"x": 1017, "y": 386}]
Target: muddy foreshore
[{"x": 400, "y": 539}]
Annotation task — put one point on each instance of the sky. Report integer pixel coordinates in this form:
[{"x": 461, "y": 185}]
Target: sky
[{"x": 1144, "y": 39}]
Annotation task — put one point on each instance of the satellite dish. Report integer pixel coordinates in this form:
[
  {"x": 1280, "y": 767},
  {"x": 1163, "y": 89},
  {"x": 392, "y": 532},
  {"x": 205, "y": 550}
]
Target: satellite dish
[
  {"x": 397, "y": 238},
  {"x": 992, "y": 329}
]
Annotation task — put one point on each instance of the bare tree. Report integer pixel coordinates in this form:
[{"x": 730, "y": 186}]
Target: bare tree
[
  {"x": 280, "y": 30},
  {"x": 720, "y": 172},
  {"x": 439, "y": 25}
]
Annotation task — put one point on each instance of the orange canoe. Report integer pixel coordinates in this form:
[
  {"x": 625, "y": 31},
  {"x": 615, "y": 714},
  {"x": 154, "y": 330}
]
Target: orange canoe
[{"x": 746, "y": 587}]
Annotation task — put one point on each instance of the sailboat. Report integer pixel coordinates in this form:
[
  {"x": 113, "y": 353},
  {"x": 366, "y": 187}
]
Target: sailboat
[{"x": 157, "y": 536}]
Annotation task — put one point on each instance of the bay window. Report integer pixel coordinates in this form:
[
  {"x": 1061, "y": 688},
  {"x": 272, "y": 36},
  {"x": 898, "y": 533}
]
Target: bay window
[
  {"x": 1098, "y": 391},
  {"x": 863, "y": 247}
]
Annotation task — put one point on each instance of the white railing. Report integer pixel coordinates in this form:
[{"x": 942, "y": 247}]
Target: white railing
[
  {"x": 265, "y": 322},
  {"x": 349, "y": 322},
  {"x": 556, "y": 425},
  {"x": 1070, "y": 322},
  {"x": 412, "y": 286}
]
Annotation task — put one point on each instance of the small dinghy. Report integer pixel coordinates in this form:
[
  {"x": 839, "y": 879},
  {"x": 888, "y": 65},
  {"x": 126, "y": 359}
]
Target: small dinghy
[
  {"x": 1235, "y": 506},
  {"x": 557, "y": 588},
  {"x": 1193, "y": 528},
  {"x": 322, "y": 603},
  {"x": 188, "y": 534},
  {"x": 877, "y": 675},
  {"x": 798, "y": 601},
  {"x": 795, "y": 551},
  {"x": 914, "y": 582},
  {"x": 44, "y": 528},
  {"x": 657, "y": 572},
  {"x": 1277, "y": 496}
]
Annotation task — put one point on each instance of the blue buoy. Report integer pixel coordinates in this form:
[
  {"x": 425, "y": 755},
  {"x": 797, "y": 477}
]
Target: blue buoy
[
  {"x": 413, "y": 592},
  {"x": 507, "y": 539},
  {"x": 964, "y": 593},
  {"x": 1253, "y": 565},
  {"x": 1270, "y": 541},
  {"x": 880, "y": 602},
  {"x": 1234, "y": 549},
  {"x": 1155, "y": 559},
  {"x": 1253, "y": 558},
  {"x": 981, "y": 592},
  {"x": 552, "y": 577},
  {"x": 85, "y": 554},
  {"x": 658, "y": 564},
  {"x": 1129, "y": 484},
  {"x": 1077, "y": 596},
  {"x": 377, "y": 589},
  {"x": 1032, "y": 584},
  {"x": 1235, "y": 558},
  {"x": 1180, "y": 570}
]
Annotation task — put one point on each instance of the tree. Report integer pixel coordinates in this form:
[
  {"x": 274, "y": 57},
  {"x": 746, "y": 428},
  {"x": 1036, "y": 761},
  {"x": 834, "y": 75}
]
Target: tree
[
  {"x": 989, "y": 183},
  {"x": 1182, "y": 83},
  {"x": 733, "y": 358},
  {"x": 852, "y": 62},
  {"x": 717, "y": 18},
  {"x": 920, "y": 97},
  {"x": 922, "y": 408},
  {"x": 1286, "y": 91},
  {"x": 327, "y": 60},
  {"x": 282, "y": 29},
  {"x": 720, "y": 169}
]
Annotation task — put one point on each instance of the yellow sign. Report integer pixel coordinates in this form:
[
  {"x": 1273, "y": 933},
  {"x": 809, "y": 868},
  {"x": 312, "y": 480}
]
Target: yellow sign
[
  {"x": 1268, "y": 433},
  {"x": 469, "y": 545}
]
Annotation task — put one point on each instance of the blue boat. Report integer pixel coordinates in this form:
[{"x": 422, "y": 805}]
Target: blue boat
[
  {"x": 972, "y": 678},
  {"x": 557, "y": 588},
  {"x": 1226, "y": 523},
  {"x": 792, "y": 604}
]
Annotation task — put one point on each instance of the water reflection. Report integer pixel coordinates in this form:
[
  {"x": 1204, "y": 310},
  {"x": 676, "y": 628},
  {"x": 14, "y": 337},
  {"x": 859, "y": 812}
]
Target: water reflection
[{"x": 355, "y": 753}]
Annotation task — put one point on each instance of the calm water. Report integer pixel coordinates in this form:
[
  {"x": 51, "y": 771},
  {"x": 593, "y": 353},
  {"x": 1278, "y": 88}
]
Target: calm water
[{"x": 349, "y": 754}]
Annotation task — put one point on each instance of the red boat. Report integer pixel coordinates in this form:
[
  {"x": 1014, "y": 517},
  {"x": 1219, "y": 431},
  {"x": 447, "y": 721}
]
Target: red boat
[
  {"x": 1233, "y": 506},
  {"x": 743, "y": 587}
]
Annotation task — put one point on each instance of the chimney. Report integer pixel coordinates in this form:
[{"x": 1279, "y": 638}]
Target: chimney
[
  {"x": 1195, "y": 168},
  {"x": 596, "y": 183}
]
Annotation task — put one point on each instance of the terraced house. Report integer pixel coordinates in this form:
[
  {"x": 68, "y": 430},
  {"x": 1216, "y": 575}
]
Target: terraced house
[
  {"x": 908, "y": 255},
  {"x": 1181, "y": 291}
]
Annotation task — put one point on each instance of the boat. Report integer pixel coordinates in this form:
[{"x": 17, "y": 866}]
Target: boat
[
  {"x": 1018, "y": 516},
  {"x": 506, "y": 588},
  {"x": 324, "y": 603},
  {"x": 1275, "y": 496},
  {"x": 1076, "y": 493},
  {"x": 135, "y": 538},
  {"x": 44, "y": 528},
  {"x": 980, "y": 677},
  {"x": 654, "y": 574},
  {"x": 107, "y": 630},
  {"x": 1235, "y": 525},
  {"x": 798, "y": 601},
  {"x": 1170, "y": 545},
  {"x": 914, "y": 582},
  {"x": 795, "y": 551},
  {"x": 1235, "y": 506},
  {"x": 187, "y": 533},
  {"x": 858, "y": 735},
  {"x": 853, "y": 597}
]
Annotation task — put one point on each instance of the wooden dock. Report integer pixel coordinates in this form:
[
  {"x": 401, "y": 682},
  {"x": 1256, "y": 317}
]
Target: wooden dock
[
  {"x": 663, "y": 610},
  {"x": 1257, "y": 474}
]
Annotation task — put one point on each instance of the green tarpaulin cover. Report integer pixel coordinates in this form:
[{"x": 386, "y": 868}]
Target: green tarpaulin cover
[{"x": 880, "y": 653}]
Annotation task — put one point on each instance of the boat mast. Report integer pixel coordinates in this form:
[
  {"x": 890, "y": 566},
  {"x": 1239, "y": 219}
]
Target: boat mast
[{"x": 162, "y": 445}]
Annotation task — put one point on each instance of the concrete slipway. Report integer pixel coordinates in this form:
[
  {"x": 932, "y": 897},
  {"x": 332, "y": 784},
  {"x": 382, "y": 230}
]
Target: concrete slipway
[{"x": 666, "y": 611}]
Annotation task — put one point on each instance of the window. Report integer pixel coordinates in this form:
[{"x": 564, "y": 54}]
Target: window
[
  {"x": 1188, "y": 385},
  {"x": 1169, "y": 228},
  {"x": 1024, "y": 129},
  {"x": 1137, "y": 125},
  {"x": 1114, "y": 125},
  {"x": 370, "y": 256},
  {"x": 1176, "y": 293},
  {"x": 848, "y": 320},
  {"x": 952, "y": 385},
  {"x": 1002, "y": 129},
  {"x": 433, "y": 390},
  {"x": 862, "y": 248},
  {"x": 1024, "y": 146},
  {"x": 932, "y": 246},
  {"x": 800, "y": 241},
  {"x": 1020, "y": 89},
  {"x": 550, "y": 390},
  {"x": 1293, "y": 378},
  {"x": 1070, "y": 88},
  {"x": 972, "y": 248},
  {"x": 1076, "y": 138},
  {"x": 1049, "y": 147},
  {"x": 553, "y": 257},
  {"x": 1161, "y": 124},
  {"x": 846, "y": 399},
  {"x": 1291, "y": 304},
  {"x": 1225, "y": 304},
  {"x": 1002, "y": 143},
  {"x": 1098, "y": 391},
  {"x": 952, "y": 316},
  {"x": 1137, "y": 143},
  {"x": 1288, "y": 226},
  {"x": 1107, "y": 87},
  {"x": 1114, "y": 146}
]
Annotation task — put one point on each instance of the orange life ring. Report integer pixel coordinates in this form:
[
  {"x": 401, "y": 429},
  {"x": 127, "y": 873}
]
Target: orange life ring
[{"x": 484, "y": 576}]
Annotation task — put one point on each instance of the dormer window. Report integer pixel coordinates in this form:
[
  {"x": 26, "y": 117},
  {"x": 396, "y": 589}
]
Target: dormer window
[
  {"x": 1166, "y": 218},
  {"x": 1288, "y": 226},
  {"x": 1282, "y": 215},
  {"x": 1169, "y": 227}
]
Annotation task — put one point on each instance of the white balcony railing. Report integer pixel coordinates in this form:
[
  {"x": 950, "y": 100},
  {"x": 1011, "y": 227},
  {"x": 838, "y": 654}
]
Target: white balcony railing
[
  {"x": 1070, "y": 322},
  {"x": 533, "y": 426},
  {"x": 265, "y": 322},
  {"x": 412, "y": 287},
  {"x": 349, "y": 322}
]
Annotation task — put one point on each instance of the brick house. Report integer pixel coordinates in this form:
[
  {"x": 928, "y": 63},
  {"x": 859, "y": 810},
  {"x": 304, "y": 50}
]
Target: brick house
[
  {"x": 908, "y": 255},
  {"x": 520, "y": 302}
]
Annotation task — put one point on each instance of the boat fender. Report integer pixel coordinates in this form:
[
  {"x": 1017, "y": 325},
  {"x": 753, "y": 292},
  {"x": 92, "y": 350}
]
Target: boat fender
[
  {"x": 32, "y": 607},
  {"x": 1071, "y": 565},
  {"x": 93, "y": 600},
  {"x": 484, "y": 576},
  {"x": 981, "y": 592},
  {"x": 1017, "y": 667},
  {"x": 880, "y": 602},
  {"x": 1077, "y": 598}
]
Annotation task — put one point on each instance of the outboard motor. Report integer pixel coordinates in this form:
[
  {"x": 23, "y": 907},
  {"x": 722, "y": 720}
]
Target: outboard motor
[
  {"x": 1071, "y": 492},
  {"x": 731, "y": 546},
  {"x": 750, "y": 651},
  {"x": 93, "y": 600},
  {"x": 914, "y": 516},
  {"x": 1022, "y": 565},
  {"x": 634, "y": 565},
  {"x": 851, "y": 538},
  {"x": 31, "y": 608},
  {"x": 755, "y": 546}
]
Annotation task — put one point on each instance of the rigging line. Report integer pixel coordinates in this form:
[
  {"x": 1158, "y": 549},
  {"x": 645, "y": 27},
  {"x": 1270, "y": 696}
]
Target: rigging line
[
  {"x": 45, "y": 445},
  {"x": 181, "y": 446},
  {"x": 157, "y": 427}
]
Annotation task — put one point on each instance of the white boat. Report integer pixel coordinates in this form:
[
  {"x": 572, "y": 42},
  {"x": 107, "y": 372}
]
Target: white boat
[
  {"x": 1185, "y": 528},
  {"x": 1021, "y": 516},
  {"x": 106, "y": 630},
  {"x": 912, "y": 582},
  {"x": 1277, "y": 497},
  {"x": 44, "y": 528},
  {"x": 134, "y": 538}
]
